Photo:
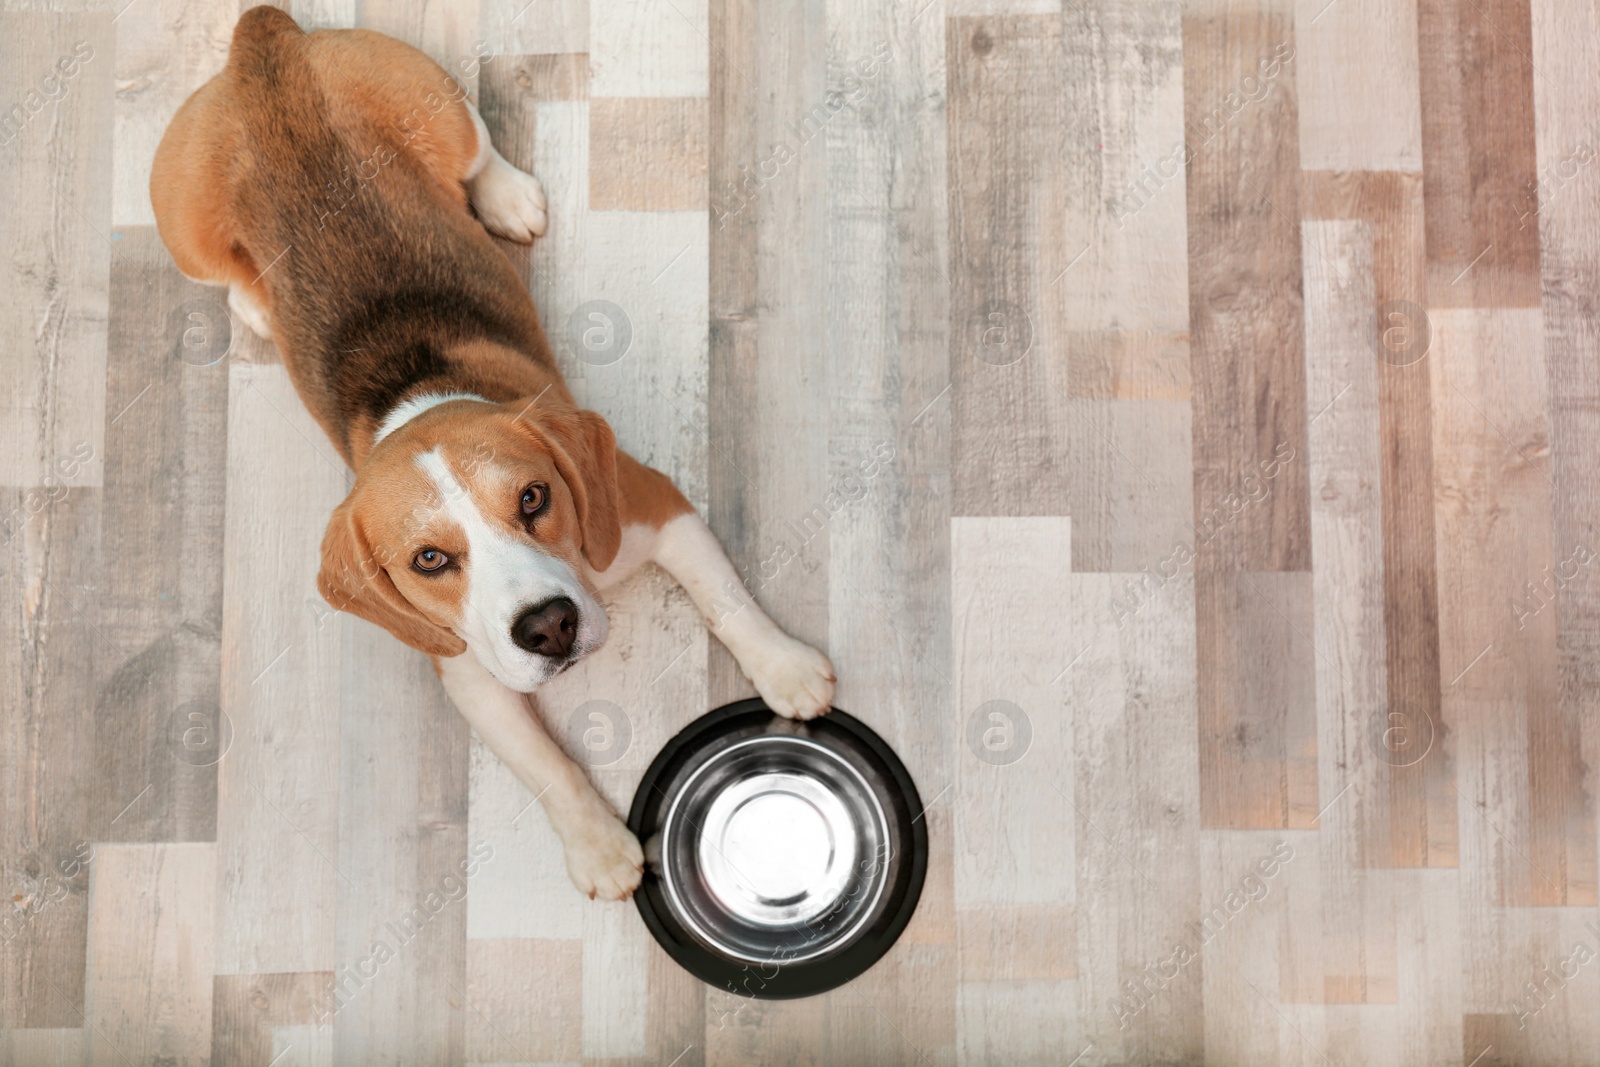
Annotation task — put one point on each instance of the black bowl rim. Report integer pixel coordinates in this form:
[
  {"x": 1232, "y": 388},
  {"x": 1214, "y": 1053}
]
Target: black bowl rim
[{"x": 792, "y": 980}]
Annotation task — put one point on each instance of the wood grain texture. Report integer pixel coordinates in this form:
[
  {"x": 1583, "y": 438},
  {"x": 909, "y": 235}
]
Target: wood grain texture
[
  {"x": 1197, "y": 259},
  {"x": 1520, "y": 763},
  {"x": 1135, "y": 805},
  {"x": 1122, "y": 78},
  {"x": 403, "y": 863},
  {"x": 277, "y": 834},
  {"x": 1258, "y": 738},
  {"x": 767, "y": 382},
  {"x": 1251, "y": 496},
  {"x": 1422, "y": 796},
  {"x": 1345, "y": 464},
  {"x": 522, "y": 1006},
  {"x": 165, "y": 486},
  {"x": 23, "y": 1048},
  {"x": 1357, "y": 82},
  {"x": 513, "y": 28},
  {"x": 57, "y": 77},
  {"x": 159, "y": 59},
  {"x": 51, "y": 653},
  {"x": 245, "y": 1009},
  {"x": 637, "y": 48},
  {"x": 148, "y": 998},
  {"x": 1477, "y": 75},
  {"x": 1008, "y": 186},
  {"x": 887, "y": 350},
  {"x": 451, "y": 37},
  {"x": 648, "y": 154},
  {"x": 1017, "y": 824},
  {"x": 1245, "y": 307},
  {"x": 1564, "y": 52}
]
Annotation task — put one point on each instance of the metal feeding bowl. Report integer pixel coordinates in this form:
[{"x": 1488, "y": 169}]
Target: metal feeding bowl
[{"x": 781, "y": 858}]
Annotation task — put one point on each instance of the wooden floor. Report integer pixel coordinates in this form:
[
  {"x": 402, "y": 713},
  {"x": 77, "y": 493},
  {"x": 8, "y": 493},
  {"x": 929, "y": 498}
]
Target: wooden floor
[{"x": 1180, "y": 422}]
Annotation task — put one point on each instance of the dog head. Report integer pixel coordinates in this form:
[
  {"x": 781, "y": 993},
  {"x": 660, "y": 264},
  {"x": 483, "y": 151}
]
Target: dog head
[{"x": 470, "y": 527}]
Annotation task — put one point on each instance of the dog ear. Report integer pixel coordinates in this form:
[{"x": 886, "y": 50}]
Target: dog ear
[
  {"x": 585, "y": 451},
  {"x": 353, "y": 579}
]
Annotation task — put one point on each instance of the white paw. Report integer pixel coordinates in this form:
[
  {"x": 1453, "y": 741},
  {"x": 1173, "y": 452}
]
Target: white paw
[
  {"x": 603, "y": 857},
  {"x": 793, "y": 678},
  {"x": 509, "y": 202},
  {"x": 252, "y": 314}
]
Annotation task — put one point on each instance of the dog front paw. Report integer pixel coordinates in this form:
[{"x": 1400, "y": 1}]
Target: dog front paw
[
  {"x": 603, "y": 857},
  {"x": 509, "y": 202},
  {"x": 793, "y": 678}
]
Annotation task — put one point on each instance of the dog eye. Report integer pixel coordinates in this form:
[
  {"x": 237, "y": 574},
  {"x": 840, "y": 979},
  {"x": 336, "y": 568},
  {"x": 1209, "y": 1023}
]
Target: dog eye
[
  {"x": 534, "y": 498},
  {"x": 430, "y": 560}
]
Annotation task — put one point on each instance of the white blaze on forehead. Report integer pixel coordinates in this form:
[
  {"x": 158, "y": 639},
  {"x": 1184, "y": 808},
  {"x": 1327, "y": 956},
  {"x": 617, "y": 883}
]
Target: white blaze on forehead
[{"x": 505, "y": 577}]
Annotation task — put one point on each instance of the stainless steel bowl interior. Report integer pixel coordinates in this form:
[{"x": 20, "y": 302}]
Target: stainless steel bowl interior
[{"x": 775, "y": 849}]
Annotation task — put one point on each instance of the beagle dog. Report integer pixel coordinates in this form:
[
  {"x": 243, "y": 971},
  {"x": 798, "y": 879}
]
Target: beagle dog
[{"x": 343, "y": 188}]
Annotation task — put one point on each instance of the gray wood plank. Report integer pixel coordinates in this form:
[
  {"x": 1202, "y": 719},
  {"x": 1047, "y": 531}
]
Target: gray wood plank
[
  {"x": 404, "y": 866},
  {"x": 159, "y": 735},
  {"x": 889, "y": 445},
  {"x": 1008, "y": 196},
  {"x": 1135, "y": 806}
]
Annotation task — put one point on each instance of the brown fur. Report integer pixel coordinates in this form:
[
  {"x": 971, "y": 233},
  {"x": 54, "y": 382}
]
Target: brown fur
[{"x": 324, "y": 174}]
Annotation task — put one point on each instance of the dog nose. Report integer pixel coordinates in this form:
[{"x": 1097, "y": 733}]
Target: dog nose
[{"x": 547, "y": 629}]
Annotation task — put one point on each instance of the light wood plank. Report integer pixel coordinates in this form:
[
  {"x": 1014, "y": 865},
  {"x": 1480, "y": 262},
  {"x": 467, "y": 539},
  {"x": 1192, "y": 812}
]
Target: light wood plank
[
  {"x": 1013, "y": 792},
  {"x": 517, "y": 28},
  {"x": 1523, "y": 799},
  {"x": 161, "y": 57},
  {"x": 405, "y": 867},
  {"x": 1567, "y": 91},
  {"x": 655, "y": 393},
  {"x": 649, "y": 154},
  {"x": 1135, "y": 811},
  {"x": 1429, "y": 967},
  {"x": 277, "y": 822},
  {"x": 615, "y": 982},
  {"x": 1357, "y": 921},
  {"x": 302, "y": 1045},
  {"x": 523, "y": 1001},
  {"x": 1132, "y": 492},
  {"x": 638, "y": 48},
  {"x": 55, "y": 152},
  {"x": 1242, "y": 908},
  {"x": 23, "y": 1048},
  {"x": 1422, "y": 795},
  {"x": 151, "y": 915},
  {"x": 1122, "y": 72},
  {"x": 1356, "y": 76},
  {"x": 52, "y": 657},
  {"x": 1014, "y": 1023},
  {"x": 888, "y": 359},
  {"x": 1016, "y": 823}
]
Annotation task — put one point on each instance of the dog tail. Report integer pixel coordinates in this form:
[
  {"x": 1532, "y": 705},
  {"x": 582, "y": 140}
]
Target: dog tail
[{"x": 259, "y": 33}]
